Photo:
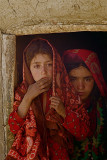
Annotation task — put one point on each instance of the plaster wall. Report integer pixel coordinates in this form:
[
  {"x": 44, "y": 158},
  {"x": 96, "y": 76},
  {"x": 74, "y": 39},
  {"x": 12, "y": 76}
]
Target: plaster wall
[
  {"x": 18, "y": 16},
  {"x": 7, "y": 73},
  {"x": 24, "y": 17},
  {"x": 2, "y": 139}
]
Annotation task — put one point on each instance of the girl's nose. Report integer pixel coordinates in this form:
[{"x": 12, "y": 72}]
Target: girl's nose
[
  {"x": 80, "y": 85},
  {"x": 43, "y": 69}
]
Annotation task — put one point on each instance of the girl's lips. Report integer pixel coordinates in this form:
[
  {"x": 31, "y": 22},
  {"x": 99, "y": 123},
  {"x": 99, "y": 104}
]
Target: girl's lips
[
  {"x": 44, "y": 78},
  {"x": 81, "y": 93}
]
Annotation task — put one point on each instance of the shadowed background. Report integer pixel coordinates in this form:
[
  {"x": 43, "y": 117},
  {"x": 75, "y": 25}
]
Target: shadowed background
[{"x": 96, "y": 41}]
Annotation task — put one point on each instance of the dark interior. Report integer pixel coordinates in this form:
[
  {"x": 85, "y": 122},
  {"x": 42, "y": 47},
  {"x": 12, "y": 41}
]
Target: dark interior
[{"x": 96, "y": 41}]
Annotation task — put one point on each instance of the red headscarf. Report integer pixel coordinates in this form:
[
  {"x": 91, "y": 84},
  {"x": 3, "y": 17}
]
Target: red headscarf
[
  {"x": 35, "y": 117},
  {"x": 91, "y": 60}
]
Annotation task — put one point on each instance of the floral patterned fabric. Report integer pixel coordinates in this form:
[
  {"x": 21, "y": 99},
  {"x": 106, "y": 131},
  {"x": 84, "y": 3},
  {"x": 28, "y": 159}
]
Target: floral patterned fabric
[{"x": 47, "y": 136}]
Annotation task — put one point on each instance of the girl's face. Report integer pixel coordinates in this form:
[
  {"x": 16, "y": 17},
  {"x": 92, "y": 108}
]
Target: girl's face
[
  {"x": 41, "y": 66},
  {"x": 82, "y": 81}
]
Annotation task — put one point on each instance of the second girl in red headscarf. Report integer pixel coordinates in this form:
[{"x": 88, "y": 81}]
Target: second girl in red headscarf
[{"x": 86, "y": 76}]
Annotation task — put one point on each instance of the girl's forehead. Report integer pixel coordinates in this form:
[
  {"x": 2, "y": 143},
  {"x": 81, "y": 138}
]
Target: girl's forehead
[
  {"x": 80, "y": 71},
  {"x": 41, "y": 57}
]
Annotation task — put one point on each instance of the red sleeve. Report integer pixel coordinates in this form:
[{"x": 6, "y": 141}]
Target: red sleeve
[
  {"x": 14, "y": 121},
  {"x": 77, "y": 124}
]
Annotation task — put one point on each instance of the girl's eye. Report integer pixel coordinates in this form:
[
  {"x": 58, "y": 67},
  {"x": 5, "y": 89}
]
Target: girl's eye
[
  {"x": 37, "y": 66},
  {"x": 88, "y": 79},
  {"x": 49, "y": 65},
  {"x": 73, "y": 78}
]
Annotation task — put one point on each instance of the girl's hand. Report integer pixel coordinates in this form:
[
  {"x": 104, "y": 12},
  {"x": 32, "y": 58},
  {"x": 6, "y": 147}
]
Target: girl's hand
[
  {"x": 37, "y": 88},
  {"x": 57, "y": 104},
  {"x": 33, "y": 91}
]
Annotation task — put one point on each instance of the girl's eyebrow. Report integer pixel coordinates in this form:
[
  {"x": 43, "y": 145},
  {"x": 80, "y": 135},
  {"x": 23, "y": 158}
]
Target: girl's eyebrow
[
  {"x": 88, "y": 77},
  {"x": 72, "y": 76},
  {"x": 40, "y": 62},
  {"x": 36, "y": 62}
]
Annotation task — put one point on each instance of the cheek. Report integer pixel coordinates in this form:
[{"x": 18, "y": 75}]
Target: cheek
[
  {"x": 36, "y": 75},
  {"x": 33, "y": 74},
  {"x": 50, "y": 72},
  {"x": 90, "y": 86}
]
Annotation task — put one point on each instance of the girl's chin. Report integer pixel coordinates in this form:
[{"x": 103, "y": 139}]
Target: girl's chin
[{"x": 84, "y": 99}]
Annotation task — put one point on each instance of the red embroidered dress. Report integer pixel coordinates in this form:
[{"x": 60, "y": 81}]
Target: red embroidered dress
[{"x": 47, "y": 136}]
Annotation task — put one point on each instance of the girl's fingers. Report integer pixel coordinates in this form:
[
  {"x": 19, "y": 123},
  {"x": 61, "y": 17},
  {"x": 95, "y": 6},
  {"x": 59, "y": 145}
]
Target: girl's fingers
[
  {"x": 54, "y": 97},
  {"x": 44, "y": 84},
  {"x": 53, "y": 106},
  {"x": 44, "y": 89},
  {"x": 54, "y": 100},
  {"x": 43, "y": 81},
  {"x": 55, "y": 103}
]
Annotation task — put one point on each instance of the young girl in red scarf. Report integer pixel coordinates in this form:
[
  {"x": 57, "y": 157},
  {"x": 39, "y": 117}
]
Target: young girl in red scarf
[
  {"x": 46, "y": 113},
  {"x": 86, "y": 76}
]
